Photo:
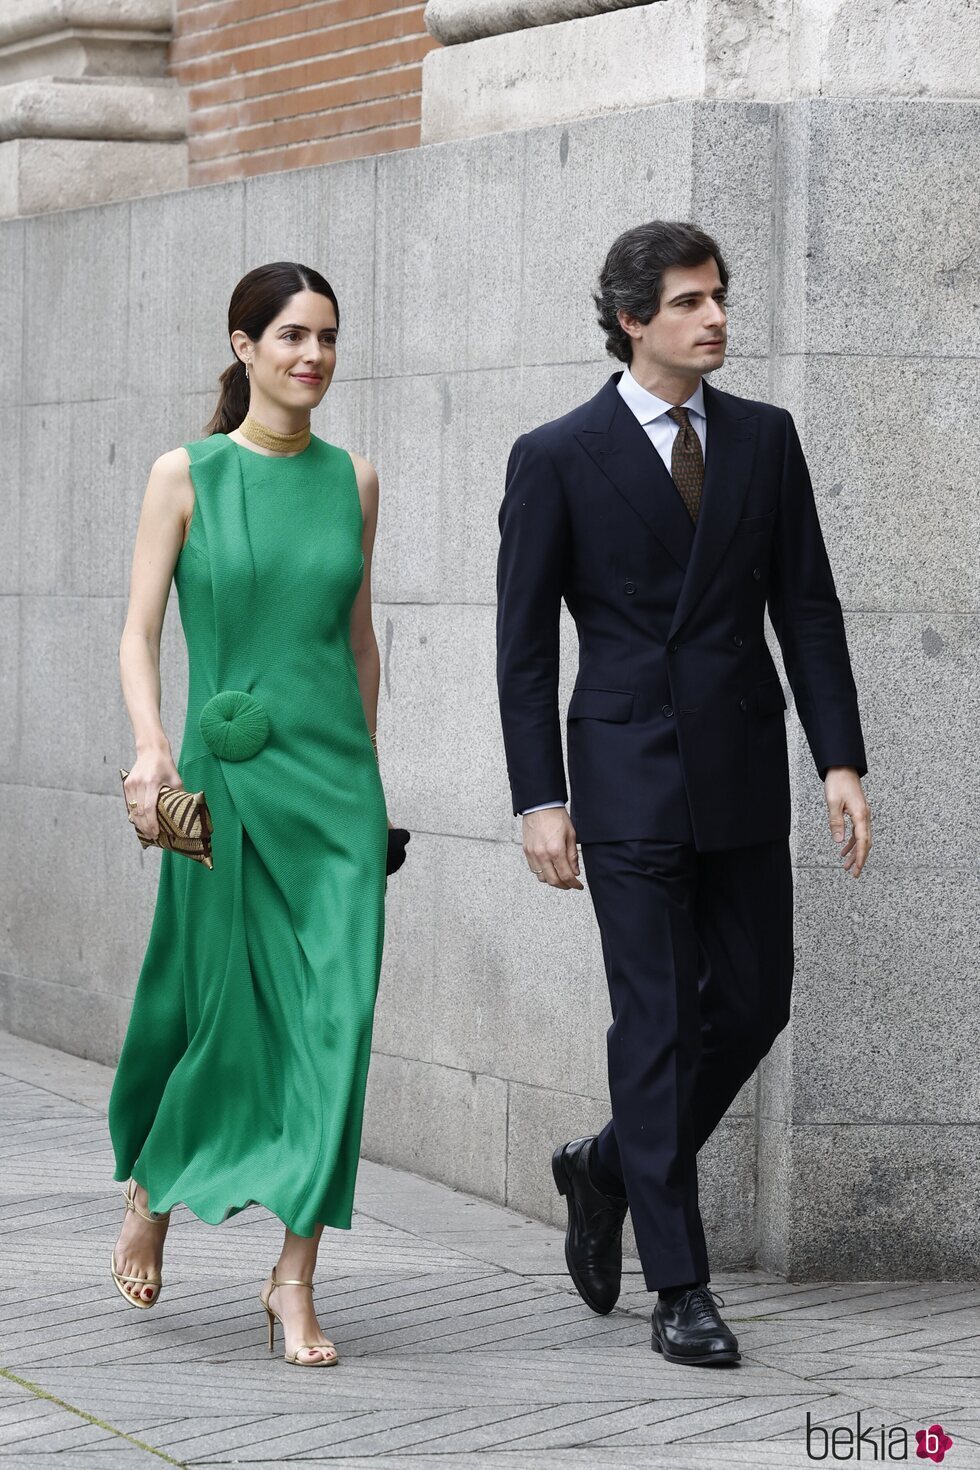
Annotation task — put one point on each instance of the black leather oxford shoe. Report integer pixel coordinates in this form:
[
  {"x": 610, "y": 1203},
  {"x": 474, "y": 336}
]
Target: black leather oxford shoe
[
  {"x": 691, "y": 1331},
  {"x": 594, "y": 1238}
]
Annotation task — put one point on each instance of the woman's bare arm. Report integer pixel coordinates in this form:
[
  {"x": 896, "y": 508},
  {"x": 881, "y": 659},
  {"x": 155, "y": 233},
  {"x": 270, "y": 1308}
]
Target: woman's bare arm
[{"x": 167, "y": 507}]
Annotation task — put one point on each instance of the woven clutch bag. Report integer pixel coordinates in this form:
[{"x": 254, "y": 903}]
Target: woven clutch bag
[{"x": 184, "y": 821}]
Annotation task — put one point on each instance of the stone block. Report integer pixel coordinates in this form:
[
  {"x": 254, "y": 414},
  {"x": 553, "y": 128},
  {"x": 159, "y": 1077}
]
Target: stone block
[
  {"x": 436, "y": 1121},
  {"x": 438, "y": 723},
  {"x": 192, "y": 412},
  {"x": 885, "y": 1202},
  {"x": 12, "y": 257},
  {"x": 885, "y": 1017},
  {"x": 855, "y": 48},
  {"x": 348, "y": 417},
  {"x": 408, "y": 457},
  {"x": 442, "y": 448},
  {"x": 916, "y": 673},
  {"x": 732, "y": 187},
  {"x": 895, "y": 466},
  {"x": 9, "y": 687},
  {"x": 456, "y": 21},
  {"x": 449, "y": 266},
  {"x": 746, "y": 377},
  {"x": 70, "y": 697},
  {"x": 775, "y": 1187},
  {"x": 67, "y": 280},
  {"x": 775, "y": 1072},
  {"x": 790, "y": 263},
  {"x": 482, "y": 418},
  {"x": 405, "y": 1018},
  {"x": 589, "y": 182},
  {"x": 519, "y": 988},
  {"x": 186, "y": 254},
  {"x": 870, "y": 283},
  {"x": 11, "y": 496},
  {"x": 67, "y": 461},
  {"x": 324, "y": 218},
  {"x": 65, "y": 1016},
  {"x": 538, "y": 1120},
  {"x": 727, "y": 1191},
  {"x": 503, "y": 75},
  {"x": 78, "y": 898},
  {"x": 85, "y": 469},
  {"x": 51, "y": 175},
  {"x": 549, "y": 391},
  {"x": 597, "y": 65}
]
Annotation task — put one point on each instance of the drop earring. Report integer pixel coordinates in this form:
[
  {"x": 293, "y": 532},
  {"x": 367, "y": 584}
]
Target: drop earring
[{"x": 246, "y": 370}]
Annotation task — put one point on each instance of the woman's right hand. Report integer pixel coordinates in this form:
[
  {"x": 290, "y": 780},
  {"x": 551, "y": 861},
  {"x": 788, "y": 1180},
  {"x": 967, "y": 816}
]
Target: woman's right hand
[{"x": 151, "y": 770}]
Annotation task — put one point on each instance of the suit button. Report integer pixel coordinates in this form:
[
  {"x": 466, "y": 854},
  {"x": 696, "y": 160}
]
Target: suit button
[
  {"x": 737, "y": 640},
  {"x": 672, "y": 646},
  {"x": 668, "y": 710},
  {"x": 757, "y": 572},
  {"x": 629, "y": 588},
  {"x": 743, "y": 703}
]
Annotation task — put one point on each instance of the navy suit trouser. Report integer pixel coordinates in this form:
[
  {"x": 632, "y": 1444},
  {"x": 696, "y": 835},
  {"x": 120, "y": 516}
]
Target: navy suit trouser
[{"x": 698, "y": 950}]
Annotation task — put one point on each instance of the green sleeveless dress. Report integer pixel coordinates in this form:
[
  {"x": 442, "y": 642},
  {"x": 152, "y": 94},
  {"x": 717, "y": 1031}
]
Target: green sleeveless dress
[{"x": 242, "y": 1075}]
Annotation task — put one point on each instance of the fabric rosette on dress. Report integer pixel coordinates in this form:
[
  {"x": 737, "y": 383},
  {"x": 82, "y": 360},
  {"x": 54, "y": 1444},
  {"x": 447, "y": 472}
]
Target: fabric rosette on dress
[{"x": 234, "y": 725}]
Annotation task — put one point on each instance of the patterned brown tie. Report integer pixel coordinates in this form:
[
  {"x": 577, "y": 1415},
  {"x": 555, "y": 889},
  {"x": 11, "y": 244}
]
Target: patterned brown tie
[{"x": 687, "y": 462}]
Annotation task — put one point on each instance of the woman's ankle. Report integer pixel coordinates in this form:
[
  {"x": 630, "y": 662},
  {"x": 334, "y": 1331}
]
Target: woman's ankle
[
  {"x": 297, "y": 1258},
  {"x": 291, "y": 1269}
]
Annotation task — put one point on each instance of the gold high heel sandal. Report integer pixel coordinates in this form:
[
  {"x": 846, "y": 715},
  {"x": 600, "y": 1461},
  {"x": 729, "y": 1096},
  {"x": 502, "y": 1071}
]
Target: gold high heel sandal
[
  {"x": 129, "y": 1194},
  {"x": 329, "y": 1358}
]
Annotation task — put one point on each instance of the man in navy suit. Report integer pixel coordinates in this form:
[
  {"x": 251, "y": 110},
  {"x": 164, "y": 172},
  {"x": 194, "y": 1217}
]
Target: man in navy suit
[{"x": 668, "y": 515}]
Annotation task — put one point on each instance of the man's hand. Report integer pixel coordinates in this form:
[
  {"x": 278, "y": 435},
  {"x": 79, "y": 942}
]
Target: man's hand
[
  {"x": 550, "y": 847},
  {"x": 845, "y": 797}
]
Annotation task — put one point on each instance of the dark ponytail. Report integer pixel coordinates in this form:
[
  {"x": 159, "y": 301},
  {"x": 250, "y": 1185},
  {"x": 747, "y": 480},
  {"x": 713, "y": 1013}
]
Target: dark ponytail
[
  {"x": 233, "y": 401},
  {"x": 257, "y": 300}
]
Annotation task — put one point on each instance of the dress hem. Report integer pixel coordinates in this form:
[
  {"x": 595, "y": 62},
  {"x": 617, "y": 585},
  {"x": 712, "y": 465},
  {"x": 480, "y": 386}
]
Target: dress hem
[{"x": 234, "y": 1209}]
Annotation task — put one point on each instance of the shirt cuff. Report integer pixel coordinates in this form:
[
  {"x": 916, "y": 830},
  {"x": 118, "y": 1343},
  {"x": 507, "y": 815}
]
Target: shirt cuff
[{"x": 545, "y": 806}]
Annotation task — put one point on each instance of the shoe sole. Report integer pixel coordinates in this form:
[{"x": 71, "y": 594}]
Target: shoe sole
[
  {"x": 729, "y": 1356},
  {"x": 561, "y": 1184}
]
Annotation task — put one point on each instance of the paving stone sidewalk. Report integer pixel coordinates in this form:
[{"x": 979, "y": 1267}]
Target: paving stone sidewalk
[{"x": 462, "y": 1342}]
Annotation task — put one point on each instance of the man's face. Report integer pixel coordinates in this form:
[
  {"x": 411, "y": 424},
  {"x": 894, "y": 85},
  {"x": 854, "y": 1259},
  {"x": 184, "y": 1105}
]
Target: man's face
[{"x": 689, "y": 333}]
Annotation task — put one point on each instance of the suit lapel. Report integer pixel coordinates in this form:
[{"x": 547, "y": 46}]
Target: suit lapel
[
  {"x": 728, "y": 461},
  {"x": 619, "y": 446}
]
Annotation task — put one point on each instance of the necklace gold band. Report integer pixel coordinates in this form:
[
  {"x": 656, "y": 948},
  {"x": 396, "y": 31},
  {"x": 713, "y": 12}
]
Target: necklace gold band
[{"x": 270, "y": 438}]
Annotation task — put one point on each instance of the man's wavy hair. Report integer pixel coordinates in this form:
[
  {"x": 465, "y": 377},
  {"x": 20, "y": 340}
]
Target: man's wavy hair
[{"x": 631, "y": 279}]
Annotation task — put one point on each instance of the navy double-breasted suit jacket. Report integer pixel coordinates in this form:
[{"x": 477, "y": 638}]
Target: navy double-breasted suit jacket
[{"x": 676, "y": 725}]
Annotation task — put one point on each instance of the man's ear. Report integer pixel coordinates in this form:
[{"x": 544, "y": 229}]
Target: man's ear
[{"x": 629, "y": 324}]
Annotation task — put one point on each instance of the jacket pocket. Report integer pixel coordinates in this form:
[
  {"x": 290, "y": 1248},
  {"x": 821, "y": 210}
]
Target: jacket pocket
[
  {"x": 601, "y": 704},
  {"x": 769, "y": 697}
]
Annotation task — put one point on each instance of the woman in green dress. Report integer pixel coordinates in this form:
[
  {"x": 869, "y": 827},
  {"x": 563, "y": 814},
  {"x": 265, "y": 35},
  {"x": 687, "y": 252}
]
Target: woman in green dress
[{"x": 242, "y": 1075}]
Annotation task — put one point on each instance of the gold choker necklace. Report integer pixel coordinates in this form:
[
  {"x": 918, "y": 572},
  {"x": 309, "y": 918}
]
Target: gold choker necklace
[{"x": 271, "y": 439}]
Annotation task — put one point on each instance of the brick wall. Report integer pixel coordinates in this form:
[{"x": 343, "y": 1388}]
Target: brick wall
[{"x": 273, "y": 85}]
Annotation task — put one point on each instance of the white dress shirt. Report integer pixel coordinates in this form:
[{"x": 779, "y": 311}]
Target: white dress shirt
[{"x": 651, "y": 413}]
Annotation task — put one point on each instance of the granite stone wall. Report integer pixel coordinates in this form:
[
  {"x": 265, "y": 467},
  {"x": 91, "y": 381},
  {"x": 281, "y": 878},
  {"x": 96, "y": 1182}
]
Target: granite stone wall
[{"x": 464, "y": 274}]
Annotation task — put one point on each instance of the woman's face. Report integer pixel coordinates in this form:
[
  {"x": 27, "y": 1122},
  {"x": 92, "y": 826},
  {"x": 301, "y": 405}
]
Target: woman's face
[{"x": 293, "y": 361}]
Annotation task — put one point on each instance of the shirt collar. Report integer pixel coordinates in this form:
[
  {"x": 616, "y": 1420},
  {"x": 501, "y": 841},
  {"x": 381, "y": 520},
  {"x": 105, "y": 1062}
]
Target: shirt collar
[{"x": 646, "y": 406}]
